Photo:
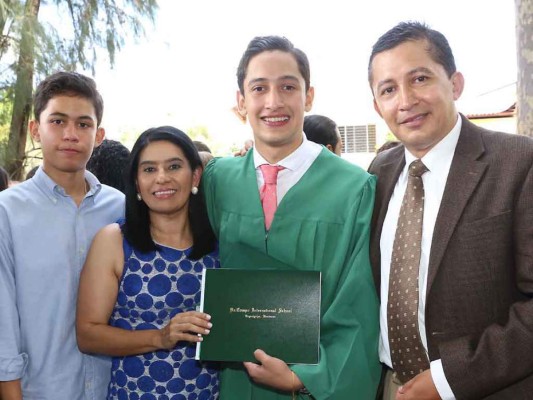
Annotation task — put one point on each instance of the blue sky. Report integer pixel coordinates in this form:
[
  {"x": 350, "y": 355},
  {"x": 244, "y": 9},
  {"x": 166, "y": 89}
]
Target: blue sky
[{"x": 183, "y": 72}]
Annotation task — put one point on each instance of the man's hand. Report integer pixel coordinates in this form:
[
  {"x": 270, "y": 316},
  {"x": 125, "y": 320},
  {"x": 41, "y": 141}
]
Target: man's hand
[
  {"x": 272, "y": 372},
  {"x": 421, "y": 387},
  {"x": 247, "y": 146}
]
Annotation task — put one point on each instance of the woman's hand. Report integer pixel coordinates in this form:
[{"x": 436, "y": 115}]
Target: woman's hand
[{"x": 187, "y": 326}]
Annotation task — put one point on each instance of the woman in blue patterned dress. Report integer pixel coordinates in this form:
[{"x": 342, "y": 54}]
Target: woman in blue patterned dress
[{"x": 141, "y": 282}]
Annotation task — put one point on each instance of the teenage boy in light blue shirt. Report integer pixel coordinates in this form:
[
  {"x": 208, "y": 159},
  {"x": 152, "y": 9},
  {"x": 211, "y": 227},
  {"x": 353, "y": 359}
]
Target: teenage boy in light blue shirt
[{"x": 46, "y": 227}]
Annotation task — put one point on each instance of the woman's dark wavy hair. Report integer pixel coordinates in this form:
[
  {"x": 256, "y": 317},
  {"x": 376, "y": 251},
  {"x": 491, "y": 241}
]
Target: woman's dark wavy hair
[{"x": 136, "y": 229}]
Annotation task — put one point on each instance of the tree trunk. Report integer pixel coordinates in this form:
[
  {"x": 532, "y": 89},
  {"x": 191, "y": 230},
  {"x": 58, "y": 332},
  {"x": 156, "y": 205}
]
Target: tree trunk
[
  {"x": 23, "y": 92},
  {"x": 3, "y": 16},
  {"x": 524, "y": 37}
]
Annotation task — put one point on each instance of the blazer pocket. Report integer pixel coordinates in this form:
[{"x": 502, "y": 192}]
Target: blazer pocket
[
  {"x": 487, "y": 239},
  {"x": 478, "y": 270},
  {"x": 495, "y": 223}
]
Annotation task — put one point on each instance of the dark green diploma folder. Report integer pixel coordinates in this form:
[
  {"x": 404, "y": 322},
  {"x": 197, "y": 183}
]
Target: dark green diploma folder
[{"x": 273, "y": 310}]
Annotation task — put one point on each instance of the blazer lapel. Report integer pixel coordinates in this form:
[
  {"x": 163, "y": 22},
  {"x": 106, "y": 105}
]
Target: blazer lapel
[{"x": 465, "y": 174}]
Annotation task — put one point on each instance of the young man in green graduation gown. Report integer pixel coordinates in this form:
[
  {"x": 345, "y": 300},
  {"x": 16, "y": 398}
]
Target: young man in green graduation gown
[{"x": 322, "y": 223}]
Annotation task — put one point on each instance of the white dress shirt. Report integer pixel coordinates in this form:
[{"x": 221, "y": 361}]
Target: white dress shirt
[
  {"x": 295, "y": 166},
  {"x": 438, "y": 161}
]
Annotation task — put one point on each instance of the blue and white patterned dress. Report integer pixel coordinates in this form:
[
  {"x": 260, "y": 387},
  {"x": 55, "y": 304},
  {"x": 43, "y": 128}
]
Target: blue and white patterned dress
[{"x": 156, "y": 286}]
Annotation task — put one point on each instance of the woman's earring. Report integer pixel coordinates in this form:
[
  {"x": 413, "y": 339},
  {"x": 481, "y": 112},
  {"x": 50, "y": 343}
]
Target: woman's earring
[
  {"x": 194, "y": 190},
  {"x": 139, "y": 197}
]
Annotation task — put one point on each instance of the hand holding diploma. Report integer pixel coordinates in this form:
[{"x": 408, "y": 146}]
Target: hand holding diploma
[
  {"x": 273, "y": 372},
  {"x": 188, "y": 326}
]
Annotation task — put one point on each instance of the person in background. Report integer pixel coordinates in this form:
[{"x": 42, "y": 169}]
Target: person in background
[
  {"x": 48, "y": 223},
  {"x": 140, "y": 286},
  {"x": 108, "y": 163},
  {"x": 324, "y": 131},
  {"x": 201, "y": 146},
  {"x": 204, "y": 151},
  {"x": 452, "y": 238},
  {"x": 287, "y": 226},
  {"x": 31, "y": 173},
  {"x": 205, "y": 156},
  {"x": 4, "y": 179}
]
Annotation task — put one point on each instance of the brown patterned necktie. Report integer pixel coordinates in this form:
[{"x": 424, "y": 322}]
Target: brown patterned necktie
[{"x": 409, "y": 357}]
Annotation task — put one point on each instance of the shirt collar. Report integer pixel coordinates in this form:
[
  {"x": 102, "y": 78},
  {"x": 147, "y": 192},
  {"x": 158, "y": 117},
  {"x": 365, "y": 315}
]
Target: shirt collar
[
  {"x": 94, "y": 184},
  {"x": 437, "y": 157},
  {"x": 294, "y": 160},
  {"x": 52, "y": 189}
]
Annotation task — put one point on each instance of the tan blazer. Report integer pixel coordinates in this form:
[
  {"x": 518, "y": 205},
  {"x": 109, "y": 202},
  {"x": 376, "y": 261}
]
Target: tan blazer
[{"x": 479, "y": 305}]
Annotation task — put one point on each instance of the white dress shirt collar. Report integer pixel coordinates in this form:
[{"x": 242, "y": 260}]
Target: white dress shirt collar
[
  {"x": 442, "y": 153},
  {"x": 295, "y": 166},
  {"x": 306, "y": 151}
]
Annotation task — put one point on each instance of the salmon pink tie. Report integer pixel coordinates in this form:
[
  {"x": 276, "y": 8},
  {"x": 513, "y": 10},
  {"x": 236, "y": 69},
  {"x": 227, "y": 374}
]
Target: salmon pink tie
[{"x": 269, "y": 198}]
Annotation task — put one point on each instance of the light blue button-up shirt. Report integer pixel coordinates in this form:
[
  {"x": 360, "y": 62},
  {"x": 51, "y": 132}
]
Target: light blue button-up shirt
[{"x": 44, "y": 239}]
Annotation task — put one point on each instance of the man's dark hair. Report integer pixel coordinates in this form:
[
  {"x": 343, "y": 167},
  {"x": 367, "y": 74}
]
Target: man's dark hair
[
  {"x": 108, "y": 163},
  {"x": 321, "y": 130},
  {"x": 67, "y": 84},
  {"x": 260, "y": 44},
  {"x": 136, "y": 229},
  {"x": 437, "y": 44}
]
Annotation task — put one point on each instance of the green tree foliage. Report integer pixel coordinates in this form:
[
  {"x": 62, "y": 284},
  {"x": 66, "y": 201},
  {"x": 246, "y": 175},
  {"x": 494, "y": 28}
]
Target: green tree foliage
[
  {"x": 6, "y": 108},
  {"x": 201, "y": 133},
  {"x": 39, "y": 37}
]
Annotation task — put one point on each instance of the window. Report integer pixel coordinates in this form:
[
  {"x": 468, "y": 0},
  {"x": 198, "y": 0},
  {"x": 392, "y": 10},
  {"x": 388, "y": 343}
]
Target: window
[{"x": 358, "y": 138}]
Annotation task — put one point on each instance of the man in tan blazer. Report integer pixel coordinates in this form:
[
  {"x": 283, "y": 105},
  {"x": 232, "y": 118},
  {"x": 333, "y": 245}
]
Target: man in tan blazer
[{"x": 475, "y": 277}]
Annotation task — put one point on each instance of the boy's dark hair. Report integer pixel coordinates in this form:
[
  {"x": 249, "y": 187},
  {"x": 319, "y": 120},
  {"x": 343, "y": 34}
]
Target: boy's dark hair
[
  {"x": 260, "y": 44},
  {"x": 136, "y": 229},
  {"x": 67, "y": 84},
  {"x": 321, "y": 129},
  {"x": 438, "y": 46},
  {"x": 108, "y": 163}
]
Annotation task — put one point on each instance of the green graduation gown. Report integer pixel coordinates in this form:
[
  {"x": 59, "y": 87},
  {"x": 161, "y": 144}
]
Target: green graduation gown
[{"x": 321, "y": 224}]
